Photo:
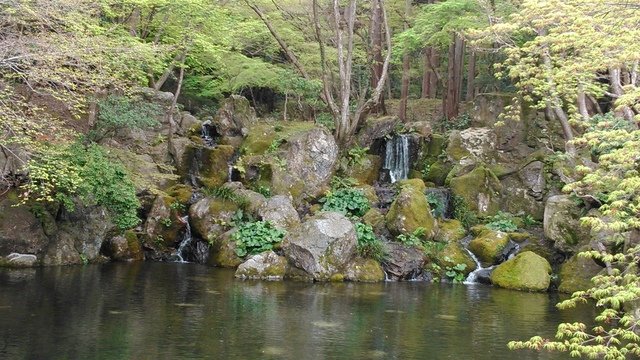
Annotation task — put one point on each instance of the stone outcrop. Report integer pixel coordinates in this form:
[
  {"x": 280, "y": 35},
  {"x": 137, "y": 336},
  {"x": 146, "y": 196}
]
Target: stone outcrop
[{"x": 526, "y": 271}]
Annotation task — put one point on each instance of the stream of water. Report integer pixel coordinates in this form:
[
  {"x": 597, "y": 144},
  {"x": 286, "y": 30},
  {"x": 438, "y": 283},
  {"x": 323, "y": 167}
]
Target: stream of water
[{"x": 189, "y": 311}]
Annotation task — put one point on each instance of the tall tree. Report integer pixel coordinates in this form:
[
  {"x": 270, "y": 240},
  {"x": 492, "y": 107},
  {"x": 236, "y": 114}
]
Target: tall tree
[{"x": 406, "y": 68}]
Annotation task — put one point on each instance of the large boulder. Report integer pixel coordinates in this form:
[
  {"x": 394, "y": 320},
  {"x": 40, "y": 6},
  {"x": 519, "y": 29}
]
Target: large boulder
[
  {"x": 280, "y": 212},
  {"x": 526, "y": 271},
  {"x": 234, "y": 117},
  {"x": 576, "y": 273},
  {"x": 21, "y": 231},
  {"x": 489, "y": 246},
  {"x": 366, "y": 170},
  {"x": 405, "y": 262},
  {"x": 206, "y": 166},
  {"x": 322, "y": 246},
  {"x": 410, "y": 211},
  {"x": 453, "y": 254},
  {"x": 376, "y": 128},
  {"x": 163, "y": 225},
  {"x": 210, "y": 217},
  {"x": 265, "y": 266},
  {"x": 450, "y": 230},
  {"x": 480, "y": 189},
  {"x": 562, "y": 224},
  {"x": 472, "y": 146},
  {"x": 125, "y": 247},
  {"x": 222, "y": 251},
  {"x": 364, "y": 270},
  {"x": 253, "y": 200}
]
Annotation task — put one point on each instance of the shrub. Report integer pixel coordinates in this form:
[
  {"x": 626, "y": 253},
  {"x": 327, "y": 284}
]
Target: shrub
[
  {"x": 462, "y": 213},
  {"x": 413, "y": 239},
  {"x": 119, "y": 112},
  {"x": 369, "y": 246},
  {"x": 256, "y": 237},
  {"x": 455, "y": 273},
  {"x": 503, "y": 221},
  {"x": 349, "y": 202}
]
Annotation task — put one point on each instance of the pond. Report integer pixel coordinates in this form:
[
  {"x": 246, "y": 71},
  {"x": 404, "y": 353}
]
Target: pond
[{"x": 187, "y": 311}]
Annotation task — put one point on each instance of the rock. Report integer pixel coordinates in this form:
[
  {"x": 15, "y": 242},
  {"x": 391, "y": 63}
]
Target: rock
[
  {"x": 188, "y": 122},
  {"x": 253, "y": 199},
  {"x": 576, "y": 273},
  {"x": 376, "y": 128},
  {"x": 180, "y": 193},
  {"x": 472, "y": 146},
  {"x": 375, "y": 219},
  {"x": 364, "y": 270},
  {"x": 562, "y": 224},
  {"x": 489, "y": 246},
  {"x": 366, "y": 171},
  {"x": 438, "y": 172},
  {"x": 210, "y": 217},
  {"x": 265, "y": 266},
  {"x": 422, "y": 128},
  {"x": 450, "y": 230},
  {"x": 532, "y": 176},
  {"x": 234, "y": 117},
  {"x": 280, "y": 212},
  {"x": 405, "y": 263},
  {"x": 480, "y": 189},
  {"x": 526, "y": 271},
  {"x": 370, "y": 193},
  {"x": 518, "y": 198},
  {"x": 206, "y": 166},
  {"x": 124, "y": 247},
  {"x": 416, "y": 184},
  {"x": 20, "y": 230},
  {"x": 410, "y": 211},
  {"x": 322, "y": 245},
  {"x": 222, "y": 252},
  {"x": 16, "y": 260},
  {"x": 163, "y": 224},
  {"x": 454, "y": 254}
]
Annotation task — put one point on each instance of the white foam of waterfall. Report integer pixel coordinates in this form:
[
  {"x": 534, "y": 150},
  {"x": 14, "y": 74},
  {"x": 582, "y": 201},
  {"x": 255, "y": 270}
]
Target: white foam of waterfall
[
  {"x": 473, "y": 276},
  {"x": 186, "y": 240},
  {"x": 396, "y": 158}
]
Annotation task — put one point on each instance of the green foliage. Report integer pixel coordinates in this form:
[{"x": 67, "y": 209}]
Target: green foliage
[
  {"x": 437, "y": 205},
  {"x": 369, "y": 246},
  {"x": 502, "y": 221},
  {"x": 338, "y": 182},
  {"x": 120, "y": 112},
  {"x": 356, "y": 155},
  {"x": 413, "y": 239},
  {"x": 455, "y": 273},
  {"x": 262, "y": 189},
  {"x": 65, "y": 172},
  {"x": 325, "y": 119},
  {"x": 275, "y": 145},
  {"x": 256, "y": 237},
  {"x": 432, "y": 248},
  {"x": 181, "y": 208},
  {"x": 226, "y": 193},
  {"x": 166, "y": 222},
  {"x": 528, "y": 221},
  {"x": 462, "y": 213},
  {"x": 460, "y": 122},
  {"x": 347, "y": 201}
]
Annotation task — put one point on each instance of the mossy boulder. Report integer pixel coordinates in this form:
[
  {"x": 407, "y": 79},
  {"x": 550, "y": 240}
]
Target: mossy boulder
[
  {"x": 370, "y": 193},
  {"x": 125, "y": 247},
  {"x": 526, "y": 271},
  {"x": 488, "y": 246},
  {"x": 222, "y": 252},
  {"x": 450, "y": 230},
  {"x": 453, "y": 254},
  {"x": 416, "y": 184},
  {"x": 280, "y": 212},
  {"x": 472, "y": 146},
  {"x": 438, "y": 172},
  {"x": 562, "y": 224},
  {"x": 364, "y": 270},
  {"x": 365, "y": 171},
  {"x": 576, "y": 273},
  {"x": 164, "y": 224},
  {"x": 410, "y": 211},
  {"x": 21, "y": 230},
  {"x": 265, "y": 136},
  {"x": 211, "y": 217},
  {"x": 376, "y": 128},
  {"x": 265, "y": 266},
  {"x": 234, "y": 117},
  {"x": 181, "y": 193},
  {"x": 480, "y": 189},
  {"x": 375, "y": 219}
]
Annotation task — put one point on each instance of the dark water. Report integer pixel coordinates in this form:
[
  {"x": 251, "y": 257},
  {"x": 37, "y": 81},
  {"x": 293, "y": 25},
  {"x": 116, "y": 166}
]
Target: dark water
[{"x": 186, "y": 311}]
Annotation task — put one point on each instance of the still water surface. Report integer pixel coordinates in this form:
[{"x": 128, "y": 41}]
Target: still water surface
[{"x": 188, "y": 311}]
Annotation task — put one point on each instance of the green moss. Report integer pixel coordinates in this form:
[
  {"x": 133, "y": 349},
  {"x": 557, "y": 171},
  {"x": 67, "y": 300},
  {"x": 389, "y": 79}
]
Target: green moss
[
  {"x": 337, "y": 278},
  {"x": 370, "y": 193},
  {"x": 576, "y": 273},
  {"x": 215, "y": 165},
  {"x": 438, "y": 172},
  {"x": 450, "y": 231},
  {"x": 488, "y": 245},
  {"x": 452, "y": 254},
  {"x": 410, "y": 211},
  {"x": 480, "y": 189},
  {"x": 262, "y": 135},
  {"x": 181, "y": 193},
  {"x": 526, "y": 271},
  {"x": 416, "y": 184},
  {"x": 366, "y": 171},
  {"x": 365, "y": 270}
]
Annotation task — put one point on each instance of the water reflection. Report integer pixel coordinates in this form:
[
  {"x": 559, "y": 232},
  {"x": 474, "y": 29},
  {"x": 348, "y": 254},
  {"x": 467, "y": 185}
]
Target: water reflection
[{"x": 186, "y": 311}]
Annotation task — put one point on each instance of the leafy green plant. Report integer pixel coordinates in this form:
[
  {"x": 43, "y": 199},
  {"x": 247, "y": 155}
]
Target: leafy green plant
[
  {"x": 369, "y": 246},
  {"x": 177, "y": 206},
  {"x": 262, "y": 189},
  {"x": 275, "y": 145},
  {"x": 325, "y": 119},
  {"x": 413, "y": 239},
  {"x": 432, "y": 248},
  {"x": 528, "y": 221},
  {"x": 462, "y": 213},
  {"x": 455, "y": 273},
  {"x": 256, "y": 237},
  {"x": 166, "y": 222},
  {"x": 503, "y": 221},
  {"x": 338, "y": 182},
  {"x": 226, "y": 193},
  {"x": 425, "y": 170},
  {"x": 356, "y": 155},
  {"x": 120, "y": 112},
  {"x": 350, "y": 202},
  {"x": 438, "y": 208}
]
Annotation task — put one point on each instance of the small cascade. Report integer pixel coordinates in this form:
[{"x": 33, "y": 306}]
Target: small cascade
[
  {"x": 186, "y": 241},
  {"x": 208, "y": 133},
  {"x": 396, "y": 160},
  {"x": 482, "y": 274}
]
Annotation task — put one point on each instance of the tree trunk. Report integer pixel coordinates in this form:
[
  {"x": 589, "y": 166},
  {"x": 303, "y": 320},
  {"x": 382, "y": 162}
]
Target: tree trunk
[
  {"x": 376, "y": 49},
  {"x": 582, "y": 103},
  {"x": 459, "y": 67},
  {"x": 615, "y": 79},
  {"x": 471, "y": 77},
  {"x": 426, "y": 73},
  {"x": 406, "y": 68},
  {"x": 451, "y": 99}
]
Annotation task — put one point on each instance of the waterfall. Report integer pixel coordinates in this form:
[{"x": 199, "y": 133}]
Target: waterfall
[
  {"x": 208, "y": 133},
  {"x": 474, "y": 276},
  {"x": 396, "y": 159},
  {"x": 186, "y": 241}
]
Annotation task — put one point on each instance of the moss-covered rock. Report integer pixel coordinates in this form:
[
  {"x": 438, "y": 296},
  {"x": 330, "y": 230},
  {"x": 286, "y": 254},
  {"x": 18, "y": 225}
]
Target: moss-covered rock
[
  {"x": 181, "y": 193},
  {"x": 480, "y": 189},
  {"x": 410, "y": 211},
  {"x": 234, "y": 117},
  {"x": 124, "y": 247},
  {"x": 488, "y": 245},
  {"x": 472, "y": 146},
  {"x": 269, "y": 136},
  {"x": 562, "y": 224},
  {"x": 370, "y": 193},
  {"x": 366, "y": 171},
  {"x": 450, "y": 230},
  {"x": 453, "y": 254},
  {"x": 526, "y": 271},
  {"x": 214, "y": 165},
  {"x": 438, "y": 172},
  {"x": 222, "y": 252},
  {"x": 211, "y": 217},
  {"x": 364, "y": 270},
  {"x": 265, "y": 266},
  {"x": 416, "y": 184},
  {"x": 163, "y": 224},
  {"x": 576, "y": 273},
  {"x": 375, "y": 219}
]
